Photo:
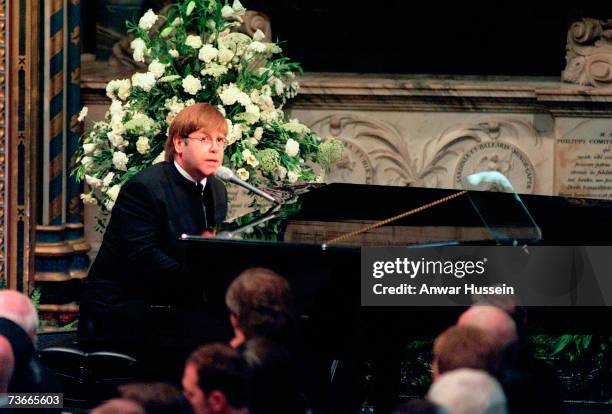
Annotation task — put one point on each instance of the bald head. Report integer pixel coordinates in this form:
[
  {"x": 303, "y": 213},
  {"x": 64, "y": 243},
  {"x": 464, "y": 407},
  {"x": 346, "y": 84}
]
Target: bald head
[
  {"x": 18, "y": 308},
  {"x": 494, "y": 321}
]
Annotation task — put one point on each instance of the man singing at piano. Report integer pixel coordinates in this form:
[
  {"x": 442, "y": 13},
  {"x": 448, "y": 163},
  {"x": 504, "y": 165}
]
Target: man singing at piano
[{"x": 139, "y": 281}]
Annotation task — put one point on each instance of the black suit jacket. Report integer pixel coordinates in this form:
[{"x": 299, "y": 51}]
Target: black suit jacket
[{"x": 141, "y": 262}]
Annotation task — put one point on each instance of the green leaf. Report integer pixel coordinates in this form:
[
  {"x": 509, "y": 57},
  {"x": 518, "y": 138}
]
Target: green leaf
[{"x": 562, "y": 342}]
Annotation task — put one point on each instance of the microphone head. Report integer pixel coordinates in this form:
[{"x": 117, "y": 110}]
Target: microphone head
[{"x": 224, "y": 173}]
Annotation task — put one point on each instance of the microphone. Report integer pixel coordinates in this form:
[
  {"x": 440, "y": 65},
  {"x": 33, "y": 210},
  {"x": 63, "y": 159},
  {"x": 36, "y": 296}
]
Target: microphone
[{"x": 226, "y": 174}]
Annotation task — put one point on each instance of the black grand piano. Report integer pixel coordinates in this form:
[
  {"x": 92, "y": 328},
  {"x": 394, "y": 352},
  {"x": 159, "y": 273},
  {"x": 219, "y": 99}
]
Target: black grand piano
[{"x": 315, "y": 241}]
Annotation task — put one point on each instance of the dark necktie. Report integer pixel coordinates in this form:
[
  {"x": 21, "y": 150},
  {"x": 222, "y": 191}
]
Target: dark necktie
[{"x": 200, "y": 188}]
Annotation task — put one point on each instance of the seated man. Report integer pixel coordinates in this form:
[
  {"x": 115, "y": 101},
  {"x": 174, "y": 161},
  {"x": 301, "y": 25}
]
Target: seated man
[
  {"x": 216, "y": 381},
  {"x": 140, "y": 267}
]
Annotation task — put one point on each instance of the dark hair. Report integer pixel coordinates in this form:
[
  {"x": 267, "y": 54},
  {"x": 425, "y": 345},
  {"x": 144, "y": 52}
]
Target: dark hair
[
  {"x": 222, "y": 368},
  {"x": 190, "y": 119},
  {"x": 262, "y": 303},
  {"x": 463, "y": 347},
  {"x": 155, "y": 397}
]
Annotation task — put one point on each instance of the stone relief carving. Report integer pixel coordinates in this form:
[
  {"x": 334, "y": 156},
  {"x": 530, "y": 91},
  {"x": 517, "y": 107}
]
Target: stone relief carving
[
  {"x": 377, "y": 153},
  {"x": 589, "y": 53}
]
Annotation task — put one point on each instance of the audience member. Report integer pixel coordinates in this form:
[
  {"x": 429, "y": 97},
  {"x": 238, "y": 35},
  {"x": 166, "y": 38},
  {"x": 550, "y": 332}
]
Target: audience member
[
  {"x": 277, "y": 380},
  {"x": 119, "y": 406},
  {"x": 260, "y": 304},
  {"x": 18, "y": 324},
  {"x": 468, "y": 391},
  {"x": 462, "y": 347},
  {"x": 216, "y": 381},
  {"x": 156, "y": 397},
  {"x": 492, "y": 320}
]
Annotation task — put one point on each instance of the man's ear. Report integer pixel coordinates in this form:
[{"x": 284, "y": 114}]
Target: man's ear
[
  {"x": 178, "y": 143},
  {"x": 217, "y": 401}
]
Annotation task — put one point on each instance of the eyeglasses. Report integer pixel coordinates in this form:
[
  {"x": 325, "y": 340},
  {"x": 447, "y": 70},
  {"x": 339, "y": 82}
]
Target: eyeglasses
[{"x": 207, "y": 140}]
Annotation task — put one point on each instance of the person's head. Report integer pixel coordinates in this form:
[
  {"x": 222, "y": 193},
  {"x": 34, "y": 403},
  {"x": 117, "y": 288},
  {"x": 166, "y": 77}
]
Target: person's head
[
  {"x": 468, "y": 391},
  {"x": 492, "y": 320},
  {"x": 118, "y": 406},
  {"x": 462, "y": 347},
  {"x": 216, "y": 380},
  {"x": 196, "y": 140},
  {"x": 418, "y": 406},
  {"x": 18, "y": 308},
  {"x": 260, "y": 304}
]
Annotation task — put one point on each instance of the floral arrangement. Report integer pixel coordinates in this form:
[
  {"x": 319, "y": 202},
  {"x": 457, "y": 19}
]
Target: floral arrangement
[{"x": 194, "y": 54}]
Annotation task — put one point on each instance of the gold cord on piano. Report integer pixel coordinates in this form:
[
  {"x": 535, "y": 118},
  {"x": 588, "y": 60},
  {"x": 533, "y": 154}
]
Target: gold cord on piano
[{"x": 394, "y": 218}]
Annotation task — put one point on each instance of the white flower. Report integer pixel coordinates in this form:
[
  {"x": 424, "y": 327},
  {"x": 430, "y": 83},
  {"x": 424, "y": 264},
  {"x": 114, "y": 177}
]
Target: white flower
[
  {"x": 161, "y": 157},
  {"x": 194, "y": 41},
  {"x": 191, "y": 85},
  {"x": 208, "y": 53},
  {"x": 82, "y": 114},
  {"x": 282, "y": 172},
  {"x": 250, "y": 116},
  {"x": 258, "y": 133},
  {"x": 258, "y": 36},
  {"x": 113, "y": 192},
  {"x": 145, "y": 81},
  {"x": 147, "y": 20},
  {"x": 221, "y": 109},
  {"x": 88, "y": 198},
  {"x": 257, "y": 47},
  {"x": 108, "y": 179},
  {"x": 139, "y": 123},
  {"x": 176, "y": 22},
  {"x": 294, "y": 126},
  {"x": 87, "y": 161},
  {"x": 278, "y": 85},
  {"x": 242, "y": 174},
  {"x": 238, "y": 8},
  {"x": 229, "y": 94},
  {"x": 116, "y": 110},
  {"x": 236, "y": 11},
  {"x": 225, "y": 55},
  {"x": 292, "y": 176},
  {"x": 249, "y": 158},
  {"x": 215, "y": 70},
  {"x": 157, "y": 68},
  {"x": 119, "y": 88},
  {"x": 93, "y": 182},
  {"x": 174, "y": 53},
  {"x": 139, "y": 47},
  {"x": 116, "y": 140},
  {"x": 142, "y": 145},
  {"x": 120, "y": 160},
  {"x": 292, "y": 147},
  {"x": 88, "y": 149},
  {"x": 227, "y": 11},
  {"x": 168, "y": 78}
]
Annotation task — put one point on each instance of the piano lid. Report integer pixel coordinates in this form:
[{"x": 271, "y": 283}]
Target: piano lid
[{"x": 368, "y": 215}]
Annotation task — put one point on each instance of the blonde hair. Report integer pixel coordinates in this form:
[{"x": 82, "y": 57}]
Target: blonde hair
[{"x": 194, "y": 117}]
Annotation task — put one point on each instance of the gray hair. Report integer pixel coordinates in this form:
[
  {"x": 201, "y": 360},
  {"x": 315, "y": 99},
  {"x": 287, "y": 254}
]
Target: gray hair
[{"x": 468, "y": 391}]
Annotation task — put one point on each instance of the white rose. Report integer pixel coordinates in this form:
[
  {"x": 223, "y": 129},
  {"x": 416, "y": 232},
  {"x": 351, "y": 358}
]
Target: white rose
[
  {"x": 174, "y": 53},
  {"x": 82, "y": 114},
  {"x": 258, "y": 36},
  {"x": 292, "y": 176},
  {"x": 225, "y": 55},
  {"x": 139, "y": 47},
  {"x": 147, "y": 20},
  {"x": 145, "y": 81},
  {"x": 282, "y": 172},
  {"x": 257, "y": 47},
  {"x": 161, "y": 157},
  {"x": 229, "y": 94},
  {"x": 88, "y": 198},
  {"x": 142, "y": 145},
  {"x": 194, "y": 41},
  {"x": 191, "y": 85},
  {"x": 258, "y": 133},
  {"x": 116, "y": 110},
  {"x": 120, "y": 160},
  {"x": 242, "y": 174},
  {"x": 108, "y": 179},
  {"x": 249, "y": 158},
  {"x": 113, "y": 192},
  {"x": 292, "y": 147},
  {"x": 208, "y": 53},
  {"x": 87, "y": 161},
  {"x": 124, "y": 89},
  {"x": 93, "y": 182},
  {"x": 227, "y": 11},
  {"x": 157, "y": 68},
  {"x": 88, "y": 149}
]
